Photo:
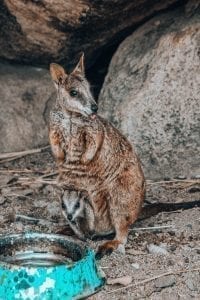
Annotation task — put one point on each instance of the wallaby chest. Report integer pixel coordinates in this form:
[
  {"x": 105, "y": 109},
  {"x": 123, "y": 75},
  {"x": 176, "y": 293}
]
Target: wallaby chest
[{"x": 71, "y": 131}]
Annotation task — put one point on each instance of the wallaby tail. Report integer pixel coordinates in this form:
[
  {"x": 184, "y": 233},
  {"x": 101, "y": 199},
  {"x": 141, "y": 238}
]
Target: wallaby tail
[{"x": 153, "y": 209}]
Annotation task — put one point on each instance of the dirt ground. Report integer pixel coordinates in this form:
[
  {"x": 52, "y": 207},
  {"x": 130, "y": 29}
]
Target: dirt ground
[{"x": 29, "y": 201}]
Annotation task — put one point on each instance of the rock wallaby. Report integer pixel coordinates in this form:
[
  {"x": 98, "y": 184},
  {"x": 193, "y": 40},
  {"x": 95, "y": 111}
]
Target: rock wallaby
[{"x": 94, "y": 156}]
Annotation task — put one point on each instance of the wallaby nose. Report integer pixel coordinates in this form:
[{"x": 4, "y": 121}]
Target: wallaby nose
[
  {"x": 69, "y": 217},
  {"x": 94, "y": 108}
]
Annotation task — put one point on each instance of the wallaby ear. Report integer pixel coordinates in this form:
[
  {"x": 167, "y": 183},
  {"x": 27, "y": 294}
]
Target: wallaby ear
[
  {"x": 80, "y": 66},
  {"x": 57, "y": 73}
]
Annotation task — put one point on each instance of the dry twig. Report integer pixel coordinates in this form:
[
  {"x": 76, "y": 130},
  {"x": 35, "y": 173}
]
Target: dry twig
[
  {"x": 28, "y": 181},
  {"x": 5, "y": 157},
  {"x": 183, "y": 181},
  {"x": 153, "y": 278},
  {"x": 17, "y": 171},
  {"x": 19, "y": 217},
  {"x": 48, "y": 175},
  {"x": 151, "y": 228}
]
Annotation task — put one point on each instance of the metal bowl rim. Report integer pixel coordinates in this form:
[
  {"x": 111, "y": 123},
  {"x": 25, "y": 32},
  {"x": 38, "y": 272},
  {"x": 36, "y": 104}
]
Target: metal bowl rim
[{"x": 29, "y": 235}]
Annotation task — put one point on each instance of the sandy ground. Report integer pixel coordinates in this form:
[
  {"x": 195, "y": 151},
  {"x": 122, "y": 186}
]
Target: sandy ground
[{"x": 26, "y": 190}]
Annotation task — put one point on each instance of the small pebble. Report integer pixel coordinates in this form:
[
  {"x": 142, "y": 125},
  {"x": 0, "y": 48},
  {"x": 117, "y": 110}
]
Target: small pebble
[
  {"x": 19, "y": 226},
  {"x": 196, "y": 176},
  {"x": 189, "y": 226},
  {"x": 190, "y": 284},
  {"x": 2, "y": 200},
  {"x": 135, "y": 266},
  {"x": 158, "y": 250},
  {"x": 165, "y": 281},
  {"x": 181, "y": 177}
]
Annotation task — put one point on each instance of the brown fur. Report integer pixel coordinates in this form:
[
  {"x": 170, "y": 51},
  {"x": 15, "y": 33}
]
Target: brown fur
[
  {"x": 78, "y": 211},
  {"x": 94, "y": 156}
]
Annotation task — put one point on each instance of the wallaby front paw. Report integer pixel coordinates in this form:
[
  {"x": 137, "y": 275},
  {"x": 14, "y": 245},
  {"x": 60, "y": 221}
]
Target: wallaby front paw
[{"x": 107, "y": 248}]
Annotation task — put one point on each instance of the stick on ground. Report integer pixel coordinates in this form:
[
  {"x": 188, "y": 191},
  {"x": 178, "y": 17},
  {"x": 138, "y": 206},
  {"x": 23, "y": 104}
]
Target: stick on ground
[
  {"x": 153, "y": 278},
  {"x": 4, "y": 157}
]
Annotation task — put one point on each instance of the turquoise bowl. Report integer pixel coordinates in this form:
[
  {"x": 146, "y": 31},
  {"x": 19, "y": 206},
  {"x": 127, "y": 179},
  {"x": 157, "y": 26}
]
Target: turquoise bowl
[{"x": 37, "y": 266}]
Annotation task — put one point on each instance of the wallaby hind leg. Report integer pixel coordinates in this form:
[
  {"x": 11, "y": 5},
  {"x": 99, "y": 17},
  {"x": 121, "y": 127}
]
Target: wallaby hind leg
[
  {"x": 117, "y": 244},
  {"x": 121, "y": 225}
]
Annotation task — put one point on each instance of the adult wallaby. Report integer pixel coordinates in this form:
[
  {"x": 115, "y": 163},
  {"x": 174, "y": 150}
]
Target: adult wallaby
[{"x": 94, "y": 156}]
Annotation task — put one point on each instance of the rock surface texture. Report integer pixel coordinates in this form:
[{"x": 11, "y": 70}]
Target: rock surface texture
[
  {"x": 152, "y": 94},
  {"x": 39, "y": 31},
  {"x": 26, "y": 95}
]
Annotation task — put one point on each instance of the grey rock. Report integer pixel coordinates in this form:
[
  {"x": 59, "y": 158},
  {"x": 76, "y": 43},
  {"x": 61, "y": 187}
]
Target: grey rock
[
  {"x": 19, "y": 226},
  {"x": 157, "y": 250},
  {"x": 151, "y": 93},
  {"x": 190, "y": 284},
  {"x": 166, "y": 295},
  {"x": 197, "y": 176},
  {"x": 136, "y": 266},
  {"x": 165, "y": 281},
  {"x": 26, "y": 94},
  {"x": 41, "y": 31},
  {"x": 189, "y": 226},
  {"x": 2, "y": 200}
]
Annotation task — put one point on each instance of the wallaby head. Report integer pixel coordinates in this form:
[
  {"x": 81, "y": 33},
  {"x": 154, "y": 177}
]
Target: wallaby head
[
  {"x": 73, "y": 90},
  {"x": 72, "y": 203}
]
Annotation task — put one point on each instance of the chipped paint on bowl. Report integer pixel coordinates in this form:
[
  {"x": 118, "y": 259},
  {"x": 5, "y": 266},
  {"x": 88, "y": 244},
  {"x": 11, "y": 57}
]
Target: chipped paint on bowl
[{"x": 36, "y": 266}]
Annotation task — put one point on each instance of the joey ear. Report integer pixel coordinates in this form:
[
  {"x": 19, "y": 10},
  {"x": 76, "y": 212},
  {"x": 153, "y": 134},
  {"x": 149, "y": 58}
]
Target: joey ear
[
  {"x": 80, "y": 66},
  {"x": 57, "y": 73}
]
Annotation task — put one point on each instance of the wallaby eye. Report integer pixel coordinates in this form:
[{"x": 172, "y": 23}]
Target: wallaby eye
[
  {"x": 63, "y": 205},
  {"x": 73, "y": 93},
  {"x": 77, "y": 205}
]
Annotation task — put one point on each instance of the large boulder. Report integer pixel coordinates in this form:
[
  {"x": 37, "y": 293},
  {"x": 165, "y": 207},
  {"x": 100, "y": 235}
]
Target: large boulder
[
  {"x": 40, "y": 31},
  {"x": 152, "y": 94},
  {"x": 26, "y": 95}
]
